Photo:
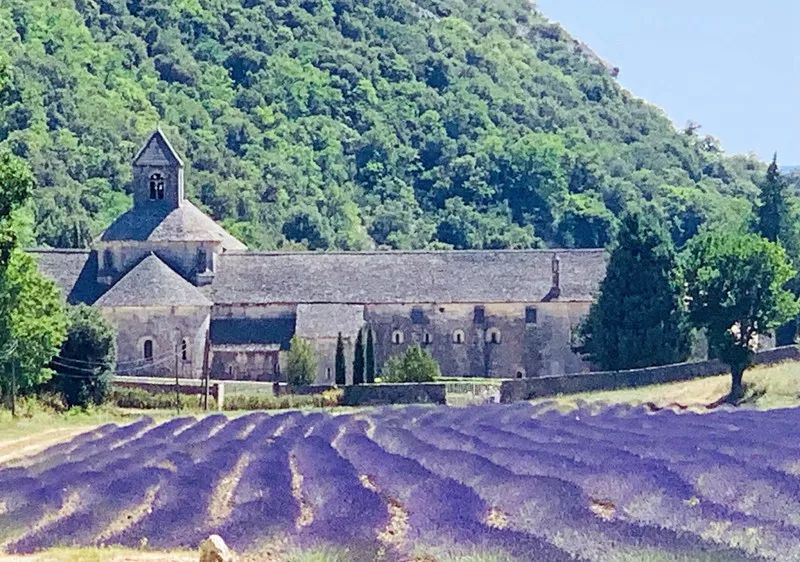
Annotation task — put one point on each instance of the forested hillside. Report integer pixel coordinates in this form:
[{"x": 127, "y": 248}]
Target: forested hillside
[{"x": 348, "y": 123}]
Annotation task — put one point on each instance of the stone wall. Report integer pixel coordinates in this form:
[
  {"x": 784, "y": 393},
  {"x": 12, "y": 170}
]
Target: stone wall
[
  {"x": 382, "y": 394},
  {"x": 164, "y": 326},
  {"x": 463, "y": 345},
  {"x": 517, "y": 390}
]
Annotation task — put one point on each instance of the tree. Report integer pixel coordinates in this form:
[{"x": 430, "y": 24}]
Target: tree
[
  {"x": 301, "y": 366},
  {"x": 415, "y": 365},
  {"x": 33, "y": 323},
  {"x": 773, "y": 210},
  {"x": 736, "y": 285},
  {"x": 639, "y": 319},
  {"x": 370, "y": 358},
  {"x": 16, "y": 186},
  {"x": 341, "y": 367},
  {"x": 88, "y": 358},
  {"x": 358, "y": 359}
]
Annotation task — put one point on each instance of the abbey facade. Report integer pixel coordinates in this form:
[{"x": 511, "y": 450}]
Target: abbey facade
[{"x": 184, "y": 294}]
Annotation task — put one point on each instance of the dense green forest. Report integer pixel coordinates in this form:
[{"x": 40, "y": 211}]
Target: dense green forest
[{"x": 349, "y": 124}]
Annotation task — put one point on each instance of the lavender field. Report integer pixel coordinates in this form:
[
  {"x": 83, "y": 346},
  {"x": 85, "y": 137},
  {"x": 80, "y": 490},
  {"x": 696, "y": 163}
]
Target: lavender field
[{"x": 517, "y": 482}]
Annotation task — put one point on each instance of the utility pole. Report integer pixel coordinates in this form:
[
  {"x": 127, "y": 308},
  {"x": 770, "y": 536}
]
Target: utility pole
[
  {"x": 13, "y": 388},
  {"x": 206, "y": 369},
  {"x": 177, "y": 379}
]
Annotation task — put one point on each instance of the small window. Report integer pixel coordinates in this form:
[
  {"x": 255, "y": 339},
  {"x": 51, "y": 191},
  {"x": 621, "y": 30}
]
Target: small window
[
  {"x": 398, "y": 337},
  {"x": 185, "y": 350},
  {"x": 531, "y": 315},
  {"x": 156, "y": 186},
  {"x": 148, "y": 350},
  {"x": 493, "y": 336},
  {"x": 520, "y": 374},
  {"x": 480, "y": 315},
  {"x": 328, "y": 373},
  {"x": 417, "y": 315},
  {"x": 458, "y": 337},
  {"x": 427, "y": 338},
  {"x": 230, "y": 371},
  {"x": 108, "y": 259}
]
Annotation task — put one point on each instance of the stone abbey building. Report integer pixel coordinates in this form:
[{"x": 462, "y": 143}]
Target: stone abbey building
[{"x": 176, "y": 284}]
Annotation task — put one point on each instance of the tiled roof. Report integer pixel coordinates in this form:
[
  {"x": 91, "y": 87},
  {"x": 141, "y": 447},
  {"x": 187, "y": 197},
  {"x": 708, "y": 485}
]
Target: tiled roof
[
  {"x": 74, "y": 271},
  {"x": 157, "y": 151},
  {"x": 405, "y": 277},
  {"x": 318, "y": 321},
  {"x": 152, "y": 283},
  {"x": 253, "y": 331},
  {"x": 186, "y": 223}
]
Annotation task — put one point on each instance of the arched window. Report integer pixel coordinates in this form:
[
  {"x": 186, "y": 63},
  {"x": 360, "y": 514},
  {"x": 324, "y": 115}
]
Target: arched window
[
  {"x": 458, "y": 336},
  {"x": 328, "y": 373},
  {"x": 185, "y": 350},
  {"x": 148, "y": 350},
  {"x": 427, "y": 338},
  {"x": 520, "y": 374},
  {"x": 493, "y": 336},
  {"x": 156, "y": 186},
  {"x": 398, "y": 337}
]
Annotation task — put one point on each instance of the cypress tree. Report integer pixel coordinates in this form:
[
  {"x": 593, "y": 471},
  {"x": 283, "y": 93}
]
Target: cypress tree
[
  {"x": 341, "y": 369},
  {"x": 772, "y": 212},
  {"x": 370, "y": 366},
  {"x": 639, "y": 319},
  {"x": 358, "y": 359}
]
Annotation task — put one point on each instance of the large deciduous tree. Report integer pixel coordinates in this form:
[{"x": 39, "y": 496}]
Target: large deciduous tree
[
  {"x": 639, "y": 319},
  {"x": 16, "y": 186},
  {"x": 736, "y": 284},
  {"x": 88, "y": 358}
]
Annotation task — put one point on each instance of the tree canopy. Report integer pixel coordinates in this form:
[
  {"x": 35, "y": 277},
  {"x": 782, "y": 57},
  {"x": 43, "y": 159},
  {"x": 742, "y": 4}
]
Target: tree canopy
[
  {"x": 346, "y": 124},
  {"x": 737, "y": 293},
  {"x": 301, "y": 368},
  {"x": 639, "y": 318},
  {"x": 415, "y": 365}
]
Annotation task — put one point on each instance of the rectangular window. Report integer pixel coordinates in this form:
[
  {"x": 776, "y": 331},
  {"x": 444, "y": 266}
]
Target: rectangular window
[
  {"x": 417, "y": 315},
  {"x": 531, "y": 315},
  {"x": 480, "y": 315}
]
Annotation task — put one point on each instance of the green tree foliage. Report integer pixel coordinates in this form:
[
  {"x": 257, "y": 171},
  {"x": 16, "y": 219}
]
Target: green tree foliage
[
  {"x": 771, "y": 216},
  {"x": 369, "y": 367},
  {"x": 33, "y": 322},
  {"x": 88, "y": 358},
  {"x": 415, "y": 365},
  {"x": 639, "y": 319},
  {"x": 16, "y": 186},
  {"x": 359, "y": 359},
  {"x": 350, "y": 125},
  {"x": 340, "y": 366},
  {"x": 301, "y": 367},
  {"x": 737, "y": 293}
]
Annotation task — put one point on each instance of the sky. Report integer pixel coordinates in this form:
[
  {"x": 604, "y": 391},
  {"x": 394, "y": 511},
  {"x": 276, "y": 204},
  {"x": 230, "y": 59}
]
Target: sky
[{"x": 733, "y": 66}]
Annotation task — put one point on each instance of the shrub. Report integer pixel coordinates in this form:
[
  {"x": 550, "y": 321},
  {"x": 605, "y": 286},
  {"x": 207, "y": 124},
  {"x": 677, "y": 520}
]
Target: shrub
[
  {"x": 415, "y": 365},
  {"x": 301, "y": 369}
]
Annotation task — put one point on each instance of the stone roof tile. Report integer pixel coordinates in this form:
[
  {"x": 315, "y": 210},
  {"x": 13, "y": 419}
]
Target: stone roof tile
[
  {"x": 152, "y": 283},
  {"x": 74, "y": 271},
  {"x": 186, "y": 223},
  {"x": 405, "y": 277}
]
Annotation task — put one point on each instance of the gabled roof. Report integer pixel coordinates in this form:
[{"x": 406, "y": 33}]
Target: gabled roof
[
  {"x": 185, "y": 223},
  {"x": 157, "y": 151},
  {"x": 74, "y": 271},
  {"x": 490, "y": 276},
  {"x": 152, "y": 283}
]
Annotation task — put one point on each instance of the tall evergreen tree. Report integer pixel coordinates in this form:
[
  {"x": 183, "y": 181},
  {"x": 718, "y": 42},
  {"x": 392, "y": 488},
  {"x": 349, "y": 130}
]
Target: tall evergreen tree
[
  {"x": 370, "y": 359},
  {"x": 773, "y": 210},
  {"x": 639, "y": 319},
  {"x": 358, "y": 359},
  {"x": 341, "y": 368}
]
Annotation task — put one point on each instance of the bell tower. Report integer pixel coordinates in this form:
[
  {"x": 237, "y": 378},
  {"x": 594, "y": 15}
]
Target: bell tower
[{"x": 157, "y": 175}]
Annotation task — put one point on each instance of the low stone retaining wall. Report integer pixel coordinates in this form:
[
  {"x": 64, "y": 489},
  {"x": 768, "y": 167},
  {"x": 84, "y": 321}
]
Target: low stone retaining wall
[
  {"x": 472, "y": 393},
  {"x": 527, "y": 389},
  {"x": 382, "y": 394}
]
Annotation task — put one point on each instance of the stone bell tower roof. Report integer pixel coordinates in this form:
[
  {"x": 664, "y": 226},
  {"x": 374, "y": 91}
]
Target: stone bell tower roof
[{"x": 157, "y": 151}]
